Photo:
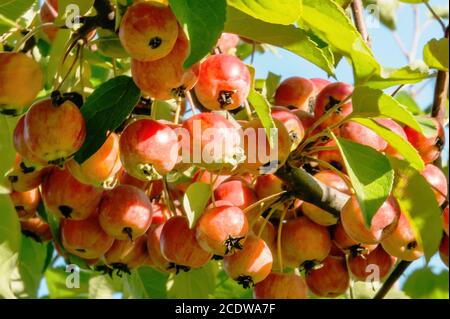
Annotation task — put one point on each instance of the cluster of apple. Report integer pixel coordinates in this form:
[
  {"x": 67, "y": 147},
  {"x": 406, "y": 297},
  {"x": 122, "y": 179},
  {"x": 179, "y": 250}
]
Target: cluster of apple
[{"x": 118, "y": 211}]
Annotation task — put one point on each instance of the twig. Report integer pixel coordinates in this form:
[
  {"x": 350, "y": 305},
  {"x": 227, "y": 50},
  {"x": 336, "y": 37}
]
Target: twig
[
  {"x": 397, "y": 90},
  {"x": 401, "y": 44},
  {"x": 358, "y": 16},
  {"x": 417, "y": 33},
  {"x": 392, "y": 279},
  {"x": 436, "y": 16},
  {"x": 440, "y": 93}
]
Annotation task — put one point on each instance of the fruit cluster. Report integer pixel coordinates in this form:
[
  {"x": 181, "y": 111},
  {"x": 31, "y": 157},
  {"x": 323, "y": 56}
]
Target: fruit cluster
[{"x": 118, "y": 211}]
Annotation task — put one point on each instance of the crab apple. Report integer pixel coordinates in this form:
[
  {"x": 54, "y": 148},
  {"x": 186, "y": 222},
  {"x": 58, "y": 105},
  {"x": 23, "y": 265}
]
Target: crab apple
[
  {"x": 266, "y": 231},
  {"x": 402, "y": 242},
  {"x": 48, "y": 13},
  {"x": 330, "y": 96},
  {"x": 250, "y": 265},
  {"x": 154, "y": 250},
  {"x": 362, "y": 135},
  {"x": 23, "y": 179},
  {"x": 332, "y": 156},
  {"x": 148, "y": 149},
  {"x": 378, "y": 260},
  {"x": 54, "y": 131},
  {"x": 292, "y": 124},
  {"x": 125, "y": 255},
  {"x": 331, "y": 280},
  {"x": 64, "y": 196},
  {"x": 26, "y": 203},
  {"x": 281, "y": 286},
  {"x": 29, "y": 160},
  {"x": 36, "y": 228},
  {"x": 307, "y": 119},
  {"x": 383, "y": 223},
  {"x": 396, "y": 128},
  {"x": 148, "y": 31},
  {"x": 166, "y": 78},
  {"x": 222, "y": 230},
  {"x": 236, "y": 192},
  {"x": 125, "y": 178},
  {"x": 204, "y": 176},
  {"x": 259, "y": 156},
  {"x": 443, "y": 249},
  {"x": 212, "y": 142},
  {"x": 125, "y": 212},
  {"x": 316, "y": 214},
  {"x": 319, "y": 84},
  {"x": 85, "y": 238},
  {"x": 160, "y": 213},
  {"x": 429, "y": 147},
  {"x": 336, "y": 251},
  {"x": 343, "y": 241},
  {"x": 179, "y": 245},
  {"x": 223, "y": 82},
  {"x": 21, "y": 79},
  {"x": 227, "y": 43},
  {"x": 101, "y": 166},
  {"x": 445, "y": 219},
  {"x": 305, "y": 243},
  {"x": 296, "y": 92},
  {"x": 438, "y": 182},
  {"x": 268, "y": 185}
]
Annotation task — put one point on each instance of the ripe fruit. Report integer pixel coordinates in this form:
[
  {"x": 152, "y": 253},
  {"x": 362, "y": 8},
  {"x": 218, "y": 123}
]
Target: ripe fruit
[
  {"x": 154, "y": 250},
  {"x": 54, "y": 132},
  {"x": 382, "y": 225},
  {"x": 222, "y": 230},
  {"x": 160, "y": 213},
  {"x": 223, "y": 82},
  {"x": 304, "y": 243},
  {"x": 402, "y": 243},
  {"x": 21, "y": 79},
  {"x": 206, "y": 177},
  {"x": 296, "y": 92},
  {"x": 179, "y": 246},
  {"x": 85, "y": 238},
  {"x": 330, "y": 96},
  {"x": 23, "y": 179},
  {"x": 268, "y": 185},
  {"x": 36, "y": 228},
  {"x": 332, "y": 156},
  {"x": 237, "y": 193},
  {"x": 281, "y": 286},
  {"x": 213, "y": 143},
  {"x": 438, "y": 182},
  {"x": 445, "y": 219},
  {"x": 125, "y": 255},
  {"x": 148, "y": 31},
  {"x": 362, "y": 135},
  {"x": 48, "y": 13},
  {"x": 148, "y": 149},
  {"x": 260, "y": 158},
  {"x": 29, "y": 161},
  {"x": 268, "y": 234},
  {"x": 443, "y": 249},
  {"x": 396, "y": 128},
  {"x": 125, "y": 212},
  {"x": 26, "y": 203},
  {"x": 319, "y": 84},
  {"x": 347, "y": 244},
  {"x": 292, "y": 124},
  {"x": 227, "y": 43},
  {"x": 126, "y": 179},
  {"x": 316, "y": 214},
  {"x": 429, "y": 147},
  {"x": 66, "y": 197},
  {"x": 101, "y": 166},
  {"x": 363, "y": 266},
  {"x": 250, "y": 265},
  {"x": 307, "y": 119},
  {"x": 331, "y": 280},
  {"x": 166, "y": 78}
]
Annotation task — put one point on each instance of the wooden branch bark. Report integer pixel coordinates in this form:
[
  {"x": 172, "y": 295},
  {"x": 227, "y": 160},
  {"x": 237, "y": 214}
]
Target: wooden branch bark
[{"x": 358, "y": 17}]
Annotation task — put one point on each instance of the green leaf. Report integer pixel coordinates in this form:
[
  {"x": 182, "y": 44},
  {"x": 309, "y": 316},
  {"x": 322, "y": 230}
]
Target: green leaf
[
  {"x": 13, "y": 9},
  {"x": 262, "y": 108},
  {"x": 277, "y": 12},
  {"x": 32, "y": 258},
  {"x": 57, "y": 279},
  {"x": 109, "y": 44},
  {"x": 10, "y": 237},
  {"x": 396, "y": 141},
  {"x": 194, "y": 284},
  {"x": 197, "y": 16},
  {"x": 424, "y": 284},
  {"x": 145, "y": 283},
  {"x": 369, "y": 102},
  {"x": 427, "y": 125},
  {"x": 435, "y": 54},
  {"x": 104, "y": 111},
  {"x": 271, "y": 84},
  {"x": 7, "y": 125},
  {"x": 371, "y": 175},
  {"x": 195, "y": 200},
  {"x": 227, "y": 288},
  {"x": 289, "y": 37},
  {"x": 418, "y": 202},
  {"x": 59, "y": 45},
  {"x": 384, "y": 10},
  {"x": 405, "y": 99},
  {"x": 392, "y": 77},
  {"x": 414, "y": 1}
]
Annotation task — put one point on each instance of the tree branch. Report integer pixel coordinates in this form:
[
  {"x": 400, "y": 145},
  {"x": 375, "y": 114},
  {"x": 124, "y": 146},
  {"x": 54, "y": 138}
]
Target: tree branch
[
  {"x": 440, "y": 93},
  {"x": 358, "y": 17},
  {"x": 304, "y": 186},
  {"x": 392, "y": 279}
]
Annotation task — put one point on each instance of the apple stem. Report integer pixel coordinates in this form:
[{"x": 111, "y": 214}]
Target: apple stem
[{"x": 392, "y": 279}]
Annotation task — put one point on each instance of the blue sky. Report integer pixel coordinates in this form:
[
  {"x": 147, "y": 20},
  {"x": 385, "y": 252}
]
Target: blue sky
[{"x": 386, "y": 51}]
